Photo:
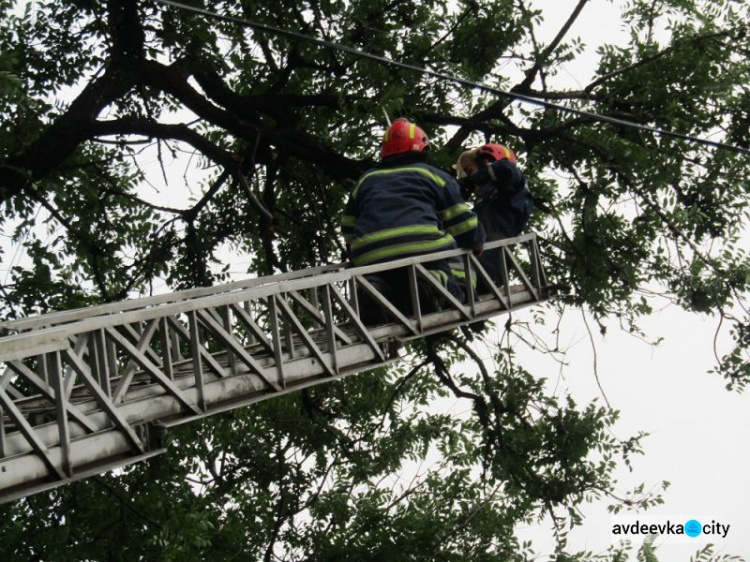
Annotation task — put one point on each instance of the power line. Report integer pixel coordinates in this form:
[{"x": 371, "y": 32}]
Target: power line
[{"x": 461, "y": 81}]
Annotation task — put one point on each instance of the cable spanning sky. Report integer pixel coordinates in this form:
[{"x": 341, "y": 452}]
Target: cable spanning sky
[{"x": 461, "y": 81}]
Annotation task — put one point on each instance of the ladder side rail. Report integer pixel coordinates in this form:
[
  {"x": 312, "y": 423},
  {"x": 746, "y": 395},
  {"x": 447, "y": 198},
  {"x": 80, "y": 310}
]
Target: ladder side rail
[
  {"x": 62, "y": 317},
  {"x": 219, "y": 370},
  {"x": 65, "y": 316},
  {"x": 133, "y": 353},
  {"x": 51, "y": 339},
  {"x": 140, "y": 411}
]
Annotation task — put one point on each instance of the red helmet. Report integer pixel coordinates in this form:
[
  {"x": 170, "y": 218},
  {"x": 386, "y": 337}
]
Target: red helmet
[
  {"x": 493, "y": 152},
  {"x": 403, "y": 136}
]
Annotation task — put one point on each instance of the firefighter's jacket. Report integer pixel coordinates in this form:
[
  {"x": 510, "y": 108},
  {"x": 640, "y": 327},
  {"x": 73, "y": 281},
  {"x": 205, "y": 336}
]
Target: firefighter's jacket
[
  {"x": 405, "y": 207},
  {"x": 503, "y": 203}
]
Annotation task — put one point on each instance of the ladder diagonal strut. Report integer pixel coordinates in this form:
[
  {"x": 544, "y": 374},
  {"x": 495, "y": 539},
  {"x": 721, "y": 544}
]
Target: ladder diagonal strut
[
  {"x": 104, "y": 401},
  {"x": 83, "y": 391}
]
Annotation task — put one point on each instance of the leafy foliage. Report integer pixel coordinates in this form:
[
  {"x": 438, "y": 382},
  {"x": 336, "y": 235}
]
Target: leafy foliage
[{"x": 101, "y": 101}]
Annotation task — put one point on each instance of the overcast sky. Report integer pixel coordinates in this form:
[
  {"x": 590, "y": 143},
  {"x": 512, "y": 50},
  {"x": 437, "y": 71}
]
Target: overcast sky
[{"x": 700, "y": 432}]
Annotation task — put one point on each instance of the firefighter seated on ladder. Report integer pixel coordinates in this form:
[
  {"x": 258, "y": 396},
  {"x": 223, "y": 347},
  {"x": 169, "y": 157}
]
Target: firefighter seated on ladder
[
  {"x": 404, "y": 207},
  {"x": 503, "y": 202}
]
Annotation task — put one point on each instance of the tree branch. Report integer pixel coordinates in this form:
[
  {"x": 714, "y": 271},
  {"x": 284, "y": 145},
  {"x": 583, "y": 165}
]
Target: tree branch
[
  {"x": 496, "y": 109},
  {"x": 648, "y": 60},
  {"x": 152, "y": 129},
  {"x": 63, "y": 136},
  {"x": 542, "y": 58}
]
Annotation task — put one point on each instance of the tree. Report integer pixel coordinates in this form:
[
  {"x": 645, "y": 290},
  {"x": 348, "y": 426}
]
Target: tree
[{"x": 93, "y": 92}]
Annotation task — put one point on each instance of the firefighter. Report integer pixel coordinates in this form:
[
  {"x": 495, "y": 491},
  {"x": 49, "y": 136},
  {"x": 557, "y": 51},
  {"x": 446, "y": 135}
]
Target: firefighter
[
  {"x": 503, "y": 201},
  {"x": 405, "y": 207}
]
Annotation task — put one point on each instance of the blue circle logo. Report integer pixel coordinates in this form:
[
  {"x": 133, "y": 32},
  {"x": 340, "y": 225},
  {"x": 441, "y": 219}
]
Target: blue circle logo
[{"x": 693, "y": 528}]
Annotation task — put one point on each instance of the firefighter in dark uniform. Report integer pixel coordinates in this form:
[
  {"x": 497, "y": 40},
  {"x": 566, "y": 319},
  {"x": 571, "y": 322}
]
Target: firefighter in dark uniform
[
  {"x": 503, "y": 202},
  {"x": 404, "y": 207}
]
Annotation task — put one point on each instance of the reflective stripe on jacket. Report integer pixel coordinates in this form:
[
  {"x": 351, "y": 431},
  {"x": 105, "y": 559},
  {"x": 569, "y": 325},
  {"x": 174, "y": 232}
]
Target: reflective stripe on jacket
[{"x": 403, "y": 208}]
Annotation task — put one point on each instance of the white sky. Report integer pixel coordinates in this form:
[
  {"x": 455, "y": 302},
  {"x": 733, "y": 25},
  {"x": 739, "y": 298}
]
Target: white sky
[{"x": 699, "y": 432}]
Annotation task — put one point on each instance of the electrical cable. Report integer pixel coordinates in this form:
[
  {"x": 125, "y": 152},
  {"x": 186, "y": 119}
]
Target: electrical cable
[{"x": 461, "y": 81}]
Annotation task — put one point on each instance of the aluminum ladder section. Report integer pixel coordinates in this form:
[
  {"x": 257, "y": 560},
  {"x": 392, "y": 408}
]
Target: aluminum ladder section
[{"x": 89, "y": 390}]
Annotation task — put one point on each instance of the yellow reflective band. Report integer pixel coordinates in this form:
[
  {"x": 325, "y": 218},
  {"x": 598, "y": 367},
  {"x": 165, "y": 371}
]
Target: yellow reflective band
[
  {"x": 348, "y": 220},
  {"x": 394, "y": 232},
  {"x": 412, "y": 131},
  {"x": 441, "y": 276},
  {"x": 415, "y": 247},
  {"x": 462, "y": 227},
  {"x": 454, "y": 211},
  {"x": 434, "y": 177},
  {"x": 461, "y": 274}
]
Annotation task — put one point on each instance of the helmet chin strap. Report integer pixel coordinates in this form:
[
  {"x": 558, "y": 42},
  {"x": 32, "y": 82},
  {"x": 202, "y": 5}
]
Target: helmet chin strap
[{"x": 491, "y": 171}]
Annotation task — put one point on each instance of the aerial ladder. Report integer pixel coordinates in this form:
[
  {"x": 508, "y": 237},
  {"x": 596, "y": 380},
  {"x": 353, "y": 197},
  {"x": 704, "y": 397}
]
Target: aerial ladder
[{"x": 89, "y": 390}]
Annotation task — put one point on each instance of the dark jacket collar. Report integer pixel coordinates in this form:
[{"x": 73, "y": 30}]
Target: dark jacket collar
[{"x": 402, "y": 159}]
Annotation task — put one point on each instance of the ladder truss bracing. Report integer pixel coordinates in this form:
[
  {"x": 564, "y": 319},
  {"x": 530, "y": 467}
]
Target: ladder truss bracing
[{"x": 92, "y": 389}]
